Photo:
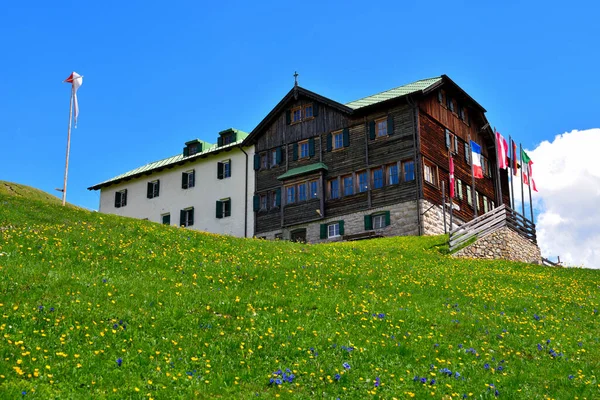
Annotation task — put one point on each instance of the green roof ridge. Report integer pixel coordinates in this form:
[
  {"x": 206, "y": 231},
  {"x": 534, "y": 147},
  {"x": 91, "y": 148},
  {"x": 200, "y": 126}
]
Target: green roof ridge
[{"x": 393, "y": 93}]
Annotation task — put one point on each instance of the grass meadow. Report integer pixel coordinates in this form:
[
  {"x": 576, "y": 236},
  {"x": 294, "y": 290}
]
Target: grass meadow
[{"x": 98, "y": 306}]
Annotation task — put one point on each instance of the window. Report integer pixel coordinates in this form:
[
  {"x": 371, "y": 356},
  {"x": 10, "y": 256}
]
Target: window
[
  {"x": 485, "y": 204},
  {"x": 408, "y": 169},
  {"x": 228, "y": 139},
  {"x": 296, "y": 114},
  {"x": 303, "y": 149},
  {"x": 338, "y": 140},
  {"x": 334, "y": 190},
  {"x": 166, "y": 219},
  {"x": 121, "y": 198},
  {"x": 153, "y": 189},
  {"x": 348, "y": 184},
  {"x": 308, "y": 111},
  {"x": 333, "y": 230},
  {"x": 477, "y": 200},
  {"x": 378, "y": 221},
  {"x": 459, "y": 189},
  {"x": 450, "y": 103},
  {"x": 302, "y": 192},
  {"x": 469, "y": 196},
  {"x": 264, "y": 163},
  {"x": 186, "y": 217},
  {"x": 430, "y": 173},
  {"x": 188, "y": 179},
  {"x": 274, "y": 196},
  {"x": 273, "y": 158},
  {"x": 313, "y": 190},
  {"x": 223, "y": 208},
  {"x": 193, "y": 149},
  {"x": 263, "y": 202},
  {"x": 381, "y": 126},
  {"x": 290, "y": 194},
  {"x": 451, "y": 141},
  {"x": 392, "y": 174},
  {"x": 377, "y": 178},
  {"x": 224, "y": 169},
  {"x": 442, "y": 97},
  {"x": 492, "y": 205},
  {"x": 363, "y": 184}
]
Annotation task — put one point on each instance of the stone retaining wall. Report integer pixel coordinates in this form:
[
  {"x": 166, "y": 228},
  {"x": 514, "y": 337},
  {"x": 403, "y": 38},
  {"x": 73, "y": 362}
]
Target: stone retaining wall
[
  {"x": 503, "y": 244},
  {"x": 433, "y": 219}
]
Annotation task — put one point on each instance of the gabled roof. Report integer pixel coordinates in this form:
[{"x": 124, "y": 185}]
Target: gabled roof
[
  {"x": 167, "y": 162},
  {"x": 418, "y": 86},
  {"x": 297, "y": 90}
]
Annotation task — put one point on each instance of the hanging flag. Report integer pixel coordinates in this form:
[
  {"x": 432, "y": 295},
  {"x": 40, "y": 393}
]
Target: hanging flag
[
  {"x": 451, "y": 178},
  {"x": 502, "y": 147},
  {"x": 76, "y": 80},
  {"x": 527, "y": 170},
  {"x": 476, "y": 158},
  {"x": 514, "y": 158}
]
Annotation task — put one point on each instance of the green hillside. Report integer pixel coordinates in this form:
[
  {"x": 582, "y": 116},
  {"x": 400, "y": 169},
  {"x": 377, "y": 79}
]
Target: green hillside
[{"x": 98, "y": 306}]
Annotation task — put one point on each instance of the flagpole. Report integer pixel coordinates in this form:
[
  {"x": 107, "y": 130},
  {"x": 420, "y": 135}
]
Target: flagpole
[
  {"x": 529, "y": 181},
  {"x": 499, "y": 199},
  {"x": 473, "y": 200},
  {"x": 64, "y": 197},
  {"x": 512, "y": 173},
  {"x": 522, "y": 193}
]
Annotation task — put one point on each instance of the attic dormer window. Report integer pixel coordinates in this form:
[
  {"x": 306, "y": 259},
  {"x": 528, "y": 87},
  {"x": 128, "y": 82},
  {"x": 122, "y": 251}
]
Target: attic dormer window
[
  {"x": 301, "y": 113},
  {"x": 297, "y": 114},
  {"x": 193, "y": 149}
]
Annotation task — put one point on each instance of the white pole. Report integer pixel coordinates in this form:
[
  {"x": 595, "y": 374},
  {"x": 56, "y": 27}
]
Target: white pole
[{"x": 64, "y": 197}]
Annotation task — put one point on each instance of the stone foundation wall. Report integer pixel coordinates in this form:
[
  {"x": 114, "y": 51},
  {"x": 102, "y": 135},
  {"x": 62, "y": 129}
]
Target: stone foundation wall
[
  {"x": 433, "y": 219},
  {"x": 403, "y": 222},
  {"x": 503, "y": 244}
]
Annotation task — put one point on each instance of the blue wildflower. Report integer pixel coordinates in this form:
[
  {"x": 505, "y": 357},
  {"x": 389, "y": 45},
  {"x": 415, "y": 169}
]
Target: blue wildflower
[
  {"x": 381, "y": 315},
  {"x": 119, "y": 361},
  {"x": 115, "y": 326},
  {"x": 278, "y": 381},
  {"x": 486, "y": 366},
  {"x": 432, "y": 382},
  {"x": 500, "y": 368},
  {"x": 423, "y": 380},
  {"x": 23, "y": 392},
  {"x": 460, "y": 346},
  {"x": 539, "y": 347},
  {"x": 496, "y": 393},
  {"x": 457, "y": 375},
  {"x": 51, "y": 309},
  {"x": 271, "y": 381},
  {"x": 377, "y": 382},
  {"x": 536, "y": 317},
  {"x": 337, "y": 377},
  {"x": 346, "y": 365},
  {"x": 416, "y": 378},
  {"x": 41, "y": 308},
  {"x": 571, "y": 377},
  {"x": 548, "y": 341}
]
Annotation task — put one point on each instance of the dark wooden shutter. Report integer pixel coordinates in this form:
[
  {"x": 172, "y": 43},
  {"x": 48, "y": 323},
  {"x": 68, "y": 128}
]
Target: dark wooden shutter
[
  {"x": 278, "y": 155},
  {"x": 182, "y": 218},
  {"x": 315, "y": 109},
  {"x": 256, "y": 202},
  {"x": 387, "y": 218},
  {"x": 220, "y": 141},
  {"x": 447, "y": 139},
  {"x": 278, "y": 197},
  {"x": 311, "y": 147},
  {"x": 323, "y": 231},
  {"x": 124, "y": 198},
  {"x": 390, "y": 125},
  {"x": 346, "y": 137},
  {"x": 186, "y": 151},
  {"x": 329, "y": 141},
  {"x": 341, "y": 223},
  {"x": 220, "y": 170},
  {"x": 372, "y": 130},
  {"x": 150, "y": 190},
  {"x": 256, "y": 162},
  {"x": 295, "y": 151},
  {"x": 190, "y": 217},
  {"x": 227, "y": 208},
  {"x": 368, "y": 223},
  {"x": 117, "y": 199},
  {"x": 219, "y": 213},
  {"x": 288, "y": 117}
]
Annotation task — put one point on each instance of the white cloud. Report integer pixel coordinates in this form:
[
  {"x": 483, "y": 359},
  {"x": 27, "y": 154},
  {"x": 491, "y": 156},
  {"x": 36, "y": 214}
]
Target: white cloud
[{"x": 567, "y": 175}]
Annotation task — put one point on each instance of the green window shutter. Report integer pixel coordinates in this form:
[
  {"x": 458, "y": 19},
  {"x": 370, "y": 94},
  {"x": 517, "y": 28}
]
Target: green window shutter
[
  {"x": 295, "y": 151},
  {"x": 184, "y": 183},
  {"x": 256, "y": 162},
  {"x": 191, "y": 217},
  {"x": 219, "y": 213},
  {"x": 387, "y": 218},
  {"x": 315, "y": 110},
  {"x": 346, "y": 137},
  {"x": 311, "y": 147},
  {"x": 341, "y": 227},
  {"x": 220, "y": 170},
  {"x": 329, "y": 142},
  {"x": 288, "y": 117},
  {"x": 447, "y": 138},
  {"x": 149, "y": 190},
  {"x": 278, "y": 155},
  {"x": 181, "y": 217},
  {"x": 186, "y": 151},
  {"x": 278, "y": 197},
  {"x": 323, "y": 231},
  {"x": 256, "y": 202},
  {"x": 368, "y": 223},
  {"x": 227, "y": 208},
  {"x": 390, "y": 125},
  {"x": 372, "y": 130},
  {"x": 220, "y": 141}
]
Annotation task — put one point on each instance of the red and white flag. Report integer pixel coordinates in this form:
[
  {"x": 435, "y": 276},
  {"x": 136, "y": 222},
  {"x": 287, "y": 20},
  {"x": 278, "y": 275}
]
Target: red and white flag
[
  {"x": 451, "y": 178},
  {"x": 502, "y": 147},
  {"x": 76, "y": 80}
]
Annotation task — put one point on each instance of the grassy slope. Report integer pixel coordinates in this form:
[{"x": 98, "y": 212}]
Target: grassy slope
[{"x": 201, "y": 315}]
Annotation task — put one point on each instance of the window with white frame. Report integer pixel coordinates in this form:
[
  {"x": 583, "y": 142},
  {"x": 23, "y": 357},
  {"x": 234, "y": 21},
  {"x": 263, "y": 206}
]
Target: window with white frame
[
  {"x": 379, "y": 221},
  {"x": 333, "y": 230}
]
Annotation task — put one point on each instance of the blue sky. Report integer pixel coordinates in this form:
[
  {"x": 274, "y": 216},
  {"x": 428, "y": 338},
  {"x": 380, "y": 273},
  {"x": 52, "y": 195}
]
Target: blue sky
[{"x": 158, "y": 74}]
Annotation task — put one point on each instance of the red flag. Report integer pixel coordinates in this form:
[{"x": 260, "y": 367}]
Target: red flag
[
  {"x": 514, "y": 160},
  {"x": 502, "y": 147},
  {"x": 451, "y": 178}
]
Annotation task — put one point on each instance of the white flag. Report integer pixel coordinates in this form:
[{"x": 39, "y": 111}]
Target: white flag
[{"x": 76, "y": 80}]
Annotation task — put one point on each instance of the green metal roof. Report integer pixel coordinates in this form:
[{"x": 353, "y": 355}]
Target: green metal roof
[
  {"x": 303, "y": 170},
  {"x": 239, "y": 135},
  {"x": 393, "y": 93},
  {"x": 214, "y": 149}
]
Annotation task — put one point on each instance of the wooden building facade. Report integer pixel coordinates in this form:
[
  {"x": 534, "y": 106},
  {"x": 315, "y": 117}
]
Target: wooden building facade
[{"x": 373, "y": 167}]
